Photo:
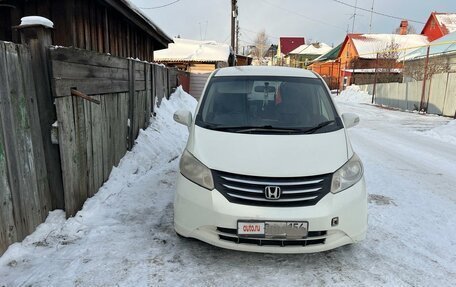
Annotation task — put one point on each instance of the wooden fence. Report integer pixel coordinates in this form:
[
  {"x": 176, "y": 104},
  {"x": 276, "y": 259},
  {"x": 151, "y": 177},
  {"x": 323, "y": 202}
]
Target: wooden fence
[
  {"x": 25, "y": 199},
  {"x": 101, "y": 103}
]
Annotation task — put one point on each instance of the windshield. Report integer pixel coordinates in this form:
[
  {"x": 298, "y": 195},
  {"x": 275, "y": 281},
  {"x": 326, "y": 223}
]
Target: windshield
[{"x": 267, "y": 105}]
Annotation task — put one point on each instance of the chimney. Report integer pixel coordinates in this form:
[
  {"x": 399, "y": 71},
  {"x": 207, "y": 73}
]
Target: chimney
[{"x": 403, "y": 27}]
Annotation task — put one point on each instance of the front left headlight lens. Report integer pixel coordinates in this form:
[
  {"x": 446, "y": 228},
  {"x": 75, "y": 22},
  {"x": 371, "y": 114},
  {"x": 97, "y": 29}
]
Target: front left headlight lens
[
  {"x": 195, "y": 171},
  {"x": 348, "y": 175}
]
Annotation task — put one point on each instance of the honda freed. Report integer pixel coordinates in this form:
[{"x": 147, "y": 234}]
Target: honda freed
[{"x": 268, "y": 165}]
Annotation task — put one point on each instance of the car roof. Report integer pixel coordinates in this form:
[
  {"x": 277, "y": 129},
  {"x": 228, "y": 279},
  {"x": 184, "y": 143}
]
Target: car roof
[{"x": 264, "y": 71}]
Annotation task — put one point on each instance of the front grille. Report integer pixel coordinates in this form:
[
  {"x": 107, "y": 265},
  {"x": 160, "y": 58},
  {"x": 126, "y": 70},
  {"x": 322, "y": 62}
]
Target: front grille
[
  {"x": 250, "y": 190},
  {"x": 313, "y": 238}
]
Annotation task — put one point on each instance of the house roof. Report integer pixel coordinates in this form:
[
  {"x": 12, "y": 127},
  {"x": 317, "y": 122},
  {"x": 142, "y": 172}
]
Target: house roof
[
  {"x": 288, "y": 44},
  {"x": 444, "y": 45},
  {"x": 331, "y": 55},
  {"x": 446, "y": 22},
  {"x": 135, "y": 14},
  {"x": 368, "y": 45},
  {"x": 312, "y": 49},
  {"x": 185, "y": 50}
]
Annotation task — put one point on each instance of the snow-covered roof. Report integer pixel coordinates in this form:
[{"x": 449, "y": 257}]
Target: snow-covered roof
[
  {"x": 136, "y": 10},
  {"x": 368, "y": 45},
  {"x": 444, "y": 45},
  {"x": 312, "y": 49},
  {"x": 193, "y": 51},
  {"x": 447, "y": 21}
]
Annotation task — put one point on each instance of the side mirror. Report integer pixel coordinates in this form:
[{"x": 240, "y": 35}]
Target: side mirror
[
  {"x": 183, "y": 117},
  {"x": 350, "y": 120}
]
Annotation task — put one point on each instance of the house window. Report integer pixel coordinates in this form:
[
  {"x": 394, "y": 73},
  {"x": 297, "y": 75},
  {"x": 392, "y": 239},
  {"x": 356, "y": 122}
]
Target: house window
[{"x": 432, "y": 25}]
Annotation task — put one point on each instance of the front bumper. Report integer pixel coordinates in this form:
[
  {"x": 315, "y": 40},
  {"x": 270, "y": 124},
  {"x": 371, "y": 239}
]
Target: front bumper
[{"x": 204, "y": 215}]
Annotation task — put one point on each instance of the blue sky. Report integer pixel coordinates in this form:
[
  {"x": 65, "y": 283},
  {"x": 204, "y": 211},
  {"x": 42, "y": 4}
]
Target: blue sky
[{"x": 317, "y": 20}]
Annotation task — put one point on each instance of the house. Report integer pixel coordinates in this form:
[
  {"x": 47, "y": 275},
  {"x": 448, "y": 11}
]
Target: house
[
  {"x": 439, "y": 25},
  {"x": 196, "y": 56},
  {"x": 442, "y": 58},
  {"x": 242, "y": 60},
  {"x": 365, "y": 57},
  {"x": 106, "y": 26},
  {"x": 286, "y": 45},
  {"x": 270, "y": 54},
  {"x": 302, "y": 55},
  {"x": 328, "y": 67}
]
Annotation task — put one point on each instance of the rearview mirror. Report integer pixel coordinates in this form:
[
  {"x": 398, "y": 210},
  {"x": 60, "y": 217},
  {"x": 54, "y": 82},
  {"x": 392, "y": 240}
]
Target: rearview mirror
[
  {"x": 350, "y": 120},
  {"x": 265, "y": 89},
  {"x": 183, "y": 117}
]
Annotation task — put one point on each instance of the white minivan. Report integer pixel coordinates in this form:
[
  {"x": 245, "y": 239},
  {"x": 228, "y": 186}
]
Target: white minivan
[{"x": 268, "y": 165}]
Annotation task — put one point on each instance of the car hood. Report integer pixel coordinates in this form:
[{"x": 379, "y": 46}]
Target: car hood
[{"x": 269, "y": 155}]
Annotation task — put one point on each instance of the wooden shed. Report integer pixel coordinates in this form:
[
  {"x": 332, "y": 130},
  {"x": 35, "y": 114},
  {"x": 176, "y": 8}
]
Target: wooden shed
[{"x": 107, "y": 26}]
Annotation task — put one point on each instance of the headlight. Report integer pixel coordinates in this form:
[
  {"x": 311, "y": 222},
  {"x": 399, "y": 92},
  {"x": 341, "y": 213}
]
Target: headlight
[
  {"x": 195, "y": 171},
  {"x": 346, "y": 176}
]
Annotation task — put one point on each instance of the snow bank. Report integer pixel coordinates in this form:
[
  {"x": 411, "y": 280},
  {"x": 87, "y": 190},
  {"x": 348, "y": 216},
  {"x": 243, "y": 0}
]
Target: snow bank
[
  {"x": 446, "y": 133},
  {"x": 353, "y": 94},
  {"x": 36, "y": 20}
]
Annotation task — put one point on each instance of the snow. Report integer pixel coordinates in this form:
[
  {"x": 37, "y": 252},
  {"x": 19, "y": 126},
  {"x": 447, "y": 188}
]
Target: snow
[
  {"x": 448, "y": 21},
  {"x": 36, "y": 20},
  {"x": 193, "y": 50},
  {"x": 446, "y": 133},
  {"x": 353, "y": 94},
  {"x": 124, "y": 234},
  {"x": 312, "y": 49},
  {"x": 368, "y": 45}
]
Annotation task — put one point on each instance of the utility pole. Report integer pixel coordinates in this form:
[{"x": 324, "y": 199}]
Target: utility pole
[
  {"x": 372, "y": 14},
  {"x": 233, "y": 15},
  {"x": 237, "y": 37}
]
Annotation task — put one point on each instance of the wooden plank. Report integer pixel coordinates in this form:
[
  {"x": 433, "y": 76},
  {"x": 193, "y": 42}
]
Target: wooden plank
[
  {"x": 9, "y": 133},
  {"x": 24, "y": 166},
  {"x": 131, "y": 104},
  {"x": 62, "y": 87},
  {"x": 39, "y": 158},
  {"x": 97, "y": 143},
  {"x": 93, "y": 25},
  {"x": 8, "y": 231},
  {"x": 86, "y": 25},
  {"x": 68, "y": 152},
  {"x": 79, "y": 24},
  {"x": 105, "y": 139},
  {"x": 148, "y": 95},
  {"x": 91, "y": 187},
  {"x": 65, "y": 70},
  {"x": 80, "y": 56},
  {"x": 81, "y": 146}
]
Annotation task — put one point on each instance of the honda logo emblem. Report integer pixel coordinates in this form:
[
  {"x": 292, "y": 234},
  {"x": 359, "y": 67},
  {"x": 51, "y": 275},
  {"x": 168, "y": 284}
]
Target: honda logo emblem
[{"x": 272, "y": 192}]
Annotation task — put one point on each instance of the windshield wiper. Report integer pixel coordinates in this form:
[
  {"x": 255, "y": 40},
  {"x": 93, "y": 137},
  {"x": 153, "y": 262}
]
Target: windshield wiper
[
  {"x": 267, "y": 128},
  {"x": 248, "y": 129},
  {"x": 317, "y": 127}
]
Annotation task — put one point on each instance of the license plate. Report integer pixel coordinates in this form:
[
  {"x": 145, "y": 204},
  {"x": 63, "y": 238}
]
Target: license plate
[{"x": 274, "y": 229}]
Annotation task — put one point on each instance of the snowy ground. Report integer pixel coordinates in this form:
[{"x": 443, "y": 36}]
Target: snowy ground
[{"x": 124, "y": 235}]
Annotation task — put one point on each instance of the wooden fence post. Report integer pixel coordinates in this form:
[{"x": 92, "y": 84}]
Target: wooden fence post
[
  {"x": 38, "y": 39},
  {"x": 131, "y": 102}
]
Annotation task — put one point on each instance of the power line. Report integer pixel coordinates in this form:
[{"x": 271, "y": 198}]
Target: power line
[
  {"x": 377, "y": 13},
  {"x": 302, "y": 15},
  {"x": 162, "y": 6}
]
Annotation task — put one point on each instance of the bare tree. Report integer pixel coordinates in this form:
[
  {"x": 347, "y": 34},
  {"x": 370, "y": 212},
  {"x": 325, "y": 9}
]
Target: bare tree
[
  {"x": 416, "y": 69},
  {"x": 261, "y": 46}
]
